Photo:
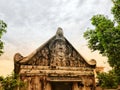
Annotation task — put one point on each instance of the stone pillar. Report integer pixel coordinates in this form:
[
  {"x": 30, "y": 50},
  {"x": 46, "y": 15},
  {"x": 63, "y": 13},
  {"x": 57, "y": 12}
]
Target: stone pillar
[
  {"x": 25, "y": 81},
  {"x": 40, "y": 86},
  {"x": 80, "y": 88},
  {"x": 48, "y": 86},
  {"x": 29, "y": 86},
  {"x": 87, "y": 88},
  {"x": 37, "y": 83},
  {"x": 84, "y": 87},
  {"x": 75, "y": 86}
]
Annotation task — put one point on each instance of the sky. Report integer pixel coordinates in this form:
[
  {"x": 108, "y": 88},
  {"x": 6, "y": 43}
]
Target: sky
[{"x": 32, "y": 22}]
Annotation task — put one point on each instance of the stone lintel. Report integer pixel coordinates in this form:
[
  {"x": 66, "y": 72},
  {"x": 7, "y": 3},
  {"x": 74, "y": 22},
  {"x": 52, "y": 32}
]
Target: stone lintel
[
  {"x": 56, "y": 68},
  {"x": 56, "y": 72},
  {"x": 64, "y": 79}
]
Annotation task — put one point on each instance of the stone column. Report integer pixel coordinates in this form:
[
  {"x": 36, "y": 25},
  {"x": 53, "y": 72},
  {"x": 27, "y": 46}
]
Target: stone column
[
  {"x": 75, "y": 86},
  {"x": 40, "y": 86},
  {"x": 84, "y": 87},
  {"x": 48, "y": 86},
  {"x": 37, "y": 83},
  {"x": 88, "y": 88},
  {"x": 25, "y": 81},
  {"x": 29, "y": 86}
]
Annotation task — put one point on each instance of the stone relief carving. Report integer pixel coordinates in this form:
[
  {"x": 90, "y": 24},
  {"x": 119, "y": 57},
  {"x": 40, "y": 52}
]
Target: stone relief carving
[
  {"x": 87, "y": 81},
  {"x": 63, "y": 55},
  {"x": 41, "y": 58},
  {"x": 58, "y": 53}
]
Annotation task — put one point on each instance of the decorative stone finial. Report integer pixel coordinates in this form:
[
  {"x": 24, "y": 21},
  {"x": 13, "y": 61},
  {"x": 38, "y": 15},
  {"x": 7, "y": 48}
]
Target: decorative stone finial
[
  {"x": 59, "y": 32},
  {"x": 18, "y": 57}
]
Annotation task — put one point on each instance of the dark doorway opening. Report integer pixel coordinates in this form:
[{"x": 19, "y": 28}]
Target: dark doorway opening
[{"x": 61, "y": 86}]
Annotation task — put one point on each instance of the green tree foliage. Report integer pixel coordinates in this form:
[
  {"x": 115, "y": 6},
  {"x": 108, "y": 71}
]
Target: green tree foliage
[
  {"x": 105, "y": 37},
  {"x": 10, "y": 82},
  {"x": 107, "y": 80},
  {"x": 116, "y": 10},
  {"x": 3, "y": 27}
]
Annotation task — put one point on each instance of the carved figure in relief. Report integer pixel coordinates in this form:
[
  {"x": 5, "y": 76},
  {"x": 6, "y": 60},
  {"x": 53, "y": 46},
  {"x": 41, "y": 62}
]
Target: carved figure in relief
[
  {"x": 59, "y": 51},
  {"x": 55, "y": 61}
]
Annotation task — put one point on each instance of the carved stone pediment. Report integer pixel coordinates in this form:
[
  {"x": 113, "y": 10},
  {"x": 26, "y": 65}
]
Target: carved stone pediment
[{"x": 56, "y": 52}]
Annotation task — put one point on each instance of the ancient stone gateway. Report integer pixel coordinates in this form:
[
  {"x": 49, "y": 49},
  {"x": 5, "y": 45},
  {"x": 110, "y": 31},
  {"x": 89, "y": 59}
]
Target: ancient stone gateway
[{"x": 56, "y": 65}]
